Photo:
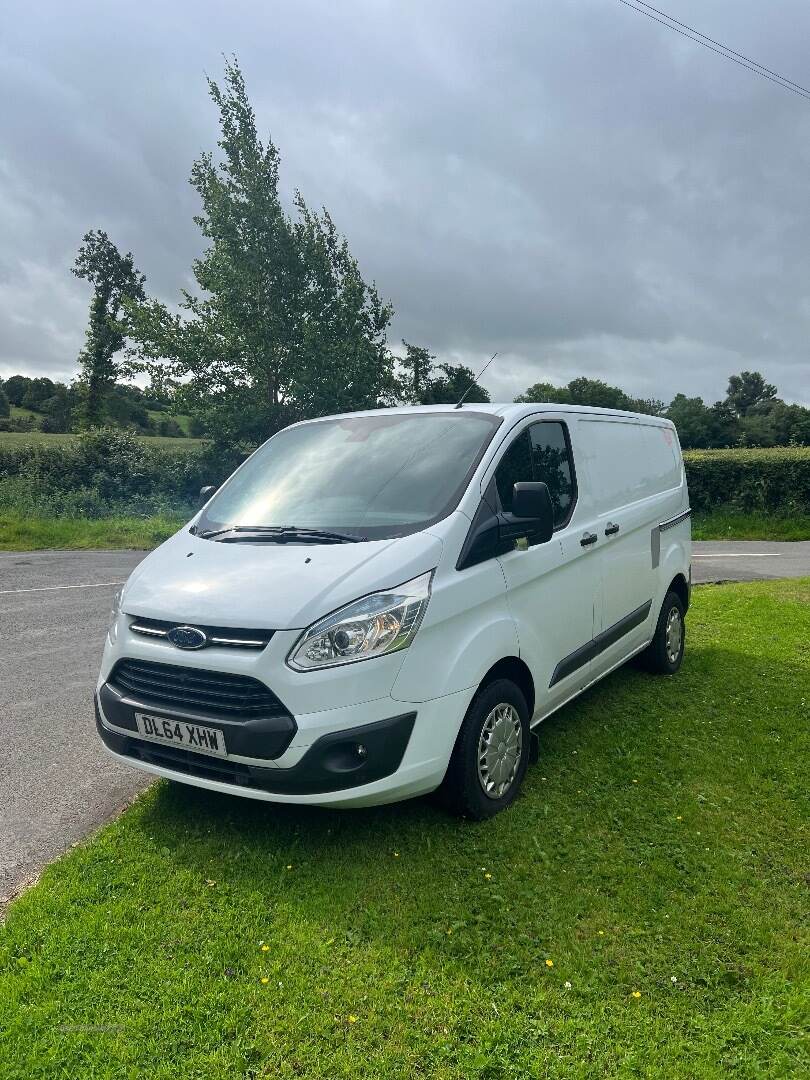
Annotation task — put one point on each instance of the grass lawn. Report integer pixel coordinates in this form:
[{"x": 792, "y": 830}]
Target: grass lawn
[
  {"x": 636, "y": 913},
  {"x": 19, "y": 533},
  {"x": 734, "y": 525}
]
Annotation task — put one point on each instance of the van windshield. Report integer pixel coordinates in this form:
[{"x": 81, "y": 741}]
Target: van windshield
[{"x": 371, "y": 476}]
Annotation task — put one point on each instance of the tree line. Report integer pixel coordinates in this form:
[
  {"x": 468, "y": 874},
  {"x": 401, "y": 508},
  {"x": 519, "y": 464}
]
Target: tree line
[
  {"x": 282, "y": 326},
  {"x": 751, "y": 414},
  {"x": 41, "y": 404}
]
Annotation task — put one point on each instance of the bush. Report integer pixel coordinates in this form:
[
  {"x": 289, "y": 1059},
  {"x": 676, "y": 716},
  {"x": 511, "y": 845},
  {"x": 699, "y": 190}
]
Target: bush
[
  {"x": 107, "y": 471},
  {"x": 776, "y": 480}
]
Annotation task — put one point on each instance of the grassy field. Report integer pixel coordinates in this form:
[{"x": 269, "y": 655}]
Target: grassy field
[
  {"x": 19, "y": 438},
  {"x": 636, "y": 913},
  {"x": 733, "y": 525},
  {"x": 21, "y": 533}
]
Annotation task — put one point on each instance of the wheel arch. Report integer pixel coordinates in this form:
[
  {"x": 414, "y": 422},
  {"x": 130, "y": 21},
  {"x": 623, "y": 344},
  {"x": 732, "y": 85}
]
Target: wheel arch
[
  {"x": 680, "y": 586},
  {"x": 517, "y": 671}
]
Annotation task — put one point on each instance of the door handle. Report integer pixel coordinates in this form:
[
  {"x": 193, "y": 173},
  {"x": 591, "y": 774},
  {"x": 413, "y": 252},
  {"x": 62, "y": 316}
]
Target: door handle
[
  {"x": 611, "y": 528},
  {"x": 588, "y": 539}
]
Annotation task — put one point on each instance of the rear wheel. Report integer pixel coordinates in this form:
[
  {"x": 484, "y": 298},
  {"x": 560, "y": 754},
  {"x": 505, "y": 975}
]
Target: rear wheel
[
  {"x": 664, "y": 654},
  {"x": 491, "y": 753}
]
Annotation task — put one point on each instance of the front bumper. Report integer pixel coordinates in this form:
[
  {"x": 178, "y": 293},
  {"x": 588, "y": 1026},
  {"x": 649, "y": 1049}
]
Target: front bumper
[
  {"x": 342, "y": 759},
  {"x": 433, "y": 729}
]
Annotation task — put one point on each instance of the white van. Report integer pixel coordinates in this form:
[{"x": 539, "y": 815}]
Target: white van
[{"x": 379, "y": 604}]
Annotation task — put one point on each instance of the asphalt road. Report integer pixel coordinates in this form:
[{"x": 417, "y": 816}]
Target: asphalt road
[
  {"x": 749, "y": 560},
  {"x": 56, "y": 781}
]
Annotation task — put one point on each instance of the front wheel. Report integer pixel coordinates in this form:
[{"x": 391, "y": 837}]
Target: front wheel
[
  {"x": 491, "y": 753},
  {"x": 664, "y": 654}
]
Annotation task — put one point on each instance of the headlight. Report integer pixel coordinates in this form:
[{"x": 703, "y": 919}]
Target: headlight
[
  {"x": 382, "y": 622},
  {"x": 115, "y": 611}
]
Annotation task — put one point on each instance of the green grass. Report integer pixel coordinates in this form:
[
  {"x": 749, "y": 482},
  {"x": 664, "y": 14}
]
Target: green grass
[
  {"x": 736, "y": 525},
  {"x": 182, "y": 419},
  {"x": 16, "y": 438},
  {"x": 17, "y": 412},
  {"x": 659, "y": 848},
  {"x": 18, "y": 533}
]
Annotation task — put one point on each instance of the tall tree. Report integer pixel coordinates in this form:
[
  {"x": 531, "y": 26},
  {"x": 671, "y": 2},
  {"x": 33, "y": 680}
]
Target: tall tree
[
  {"x": 114, "y": 279},
  {"x": 748, "y": 391},
  {"x": 16, "y": 387},
  {"x": 418, "y": 364},
  {"x": 283, "y": 325},
  {"x": 453, "y": 382}
]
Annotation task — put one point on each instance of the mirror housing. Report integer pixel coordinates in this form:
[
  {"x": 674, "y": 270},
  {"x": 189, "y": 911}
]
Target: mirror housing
[
  {"x": 532, "y": 510},
  {"x": 206, "y": 493},
  {"x": 493, "y": 533}
]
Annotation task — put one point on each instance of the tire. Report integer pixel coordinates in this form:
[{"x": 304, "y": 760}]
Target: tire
[
  {"x": 478, "y": 786},
  {"x": 664, "y": 654}
]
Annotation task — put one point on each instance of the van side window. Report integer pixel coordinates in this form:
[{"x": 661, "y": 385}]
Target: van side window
[
  {"x": 515, "y": 466},
  {"x": 551, "y": 460}
]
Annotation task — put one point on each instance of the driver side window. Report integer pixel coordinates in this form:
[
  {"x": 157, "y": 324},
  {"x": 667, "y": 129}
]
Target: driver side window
[
  {"x": 540, "y": 452},
  {"x": 516, "y": 465}
]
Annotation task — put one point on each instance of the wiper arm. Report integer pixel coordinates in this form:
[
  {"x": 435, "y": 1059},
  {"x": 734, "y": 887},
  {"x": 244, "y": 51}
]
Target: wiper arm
[
  {"x": 282, "y": 534},
  {"x": 324, "y": 534}
]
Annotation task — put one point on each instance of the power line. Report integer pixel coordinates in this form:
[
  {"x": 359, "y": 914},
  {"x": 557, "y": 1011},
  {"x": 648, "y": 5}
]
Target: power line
[
  {"x": 721, "y": 50},
  {"x": 741, "y": 56}
]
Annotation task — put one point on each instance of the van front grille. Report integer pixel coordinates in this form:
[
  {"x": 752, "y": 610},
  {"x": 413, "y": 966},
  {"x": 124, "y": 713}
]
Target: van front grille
[
  {"x": 216, "y": 692},
  {"x": 228, "y": 636}
]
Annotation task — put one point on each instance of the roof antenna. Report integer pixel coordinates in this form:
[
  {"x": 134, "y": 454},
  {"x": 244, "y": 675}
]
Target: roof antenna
[{"x": 475, "y": 380}]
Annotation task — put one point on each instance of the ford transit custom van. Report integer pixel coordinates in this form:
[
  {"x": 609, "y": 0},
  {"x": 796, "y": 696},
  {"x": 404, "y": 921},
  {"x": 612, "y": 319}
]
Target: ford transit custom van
[{"x": 380, "y": 604}]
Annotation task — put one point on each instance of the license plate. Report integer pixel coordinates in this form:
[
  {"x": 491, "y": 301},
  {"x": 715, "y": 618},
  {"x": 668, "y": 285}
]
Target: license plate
[{"x": 203, "y": 740}]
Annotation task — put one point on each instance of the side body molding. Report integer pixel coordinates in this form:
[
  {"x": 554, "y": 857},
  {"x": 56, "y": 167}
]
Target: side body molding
[{"x": 585, "y": 653}]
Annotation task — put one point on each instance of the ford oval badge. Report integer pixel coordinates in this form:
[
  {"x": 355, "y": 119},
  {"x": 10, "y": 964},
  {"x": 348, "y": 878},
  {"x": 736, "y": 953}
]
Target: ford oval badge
[{"x": 187, "y": 637}]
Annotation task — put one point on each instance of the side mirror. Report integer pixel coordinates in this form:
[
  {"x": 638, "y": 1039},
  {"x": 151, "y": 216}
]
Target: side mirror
[
  {"x": 531, "y": 503},
  {"x": 206, "y": 493}
]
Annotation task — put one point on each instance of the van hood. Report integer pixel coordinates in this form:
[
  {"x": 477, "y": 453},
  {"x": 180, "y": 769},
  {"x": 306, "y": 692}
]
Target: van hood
[{"x": 268, "y": 586}]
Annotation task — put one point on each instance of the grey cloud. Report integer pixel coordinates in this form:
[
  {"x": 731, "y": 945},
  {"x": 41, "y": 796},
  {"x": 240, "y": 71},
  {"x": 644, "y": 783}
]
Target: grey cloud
[{"x": 563, "y": 181}]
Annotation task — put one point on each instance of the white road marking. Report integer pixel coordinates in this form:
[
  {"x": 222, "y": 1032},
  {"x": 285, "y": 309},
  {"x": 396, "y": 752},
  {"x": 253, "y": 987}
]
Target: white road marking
[
  {"x": 55, "y": 588},
  {"x": 740, "y": 555}
]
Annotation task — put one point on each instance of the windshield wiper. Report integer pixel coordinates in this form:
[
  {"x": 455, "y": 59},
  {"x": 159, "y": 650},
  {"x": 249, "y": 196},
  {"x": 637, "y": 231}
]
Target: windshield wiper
[{"x": 282, "y": 534}]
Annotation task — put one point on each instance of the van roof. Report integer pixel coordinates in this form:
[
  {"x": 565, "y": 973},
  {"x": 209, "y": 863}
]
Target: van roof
[{"x": 514, "y": 411}]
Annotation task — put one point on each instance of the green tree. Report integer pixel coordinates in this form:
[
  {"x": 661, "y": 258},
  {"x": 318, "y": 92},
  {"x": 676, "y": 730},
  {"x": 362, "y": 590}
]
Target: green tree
[
  {"x": 16, "y": 387},
  {"x": 583, "y": 391},
  {"x": 418, "y": 364},
  {"x": 56, "y": 410},
  {"x": 598, "y": 394},
  {"x": 748, "y": 391},
  {"x": 5, "y": 406},
  {"x": 453, "y": 382},
  {"x": 693, "y": 419},
  {"x": 114, "y": 279},
  {"x": 283, "y": 325},
  {"x": 545, "y": 392},
  {"x": 37, "y": 391}
]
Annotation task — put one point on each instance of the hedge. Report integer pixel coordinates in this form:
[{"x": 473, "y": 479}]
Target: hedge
[
  {"x": 107, "y": 472},
  {"x": 110, "y": 471},
  {"x": 775, "y": 481}
]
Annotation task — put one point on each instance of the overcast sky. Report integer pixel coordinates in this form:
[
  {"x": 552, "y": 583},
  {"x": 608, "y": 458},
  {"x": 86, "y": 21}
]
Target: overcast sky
[{"x": 563, "y": 181}]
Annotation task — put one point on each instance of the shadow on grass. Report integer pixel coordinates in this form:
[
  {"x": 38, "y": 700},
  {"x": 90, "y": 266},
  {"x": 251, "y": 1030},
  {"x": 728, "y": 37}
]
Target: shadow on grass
[{"x": 595, "y": 836}]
